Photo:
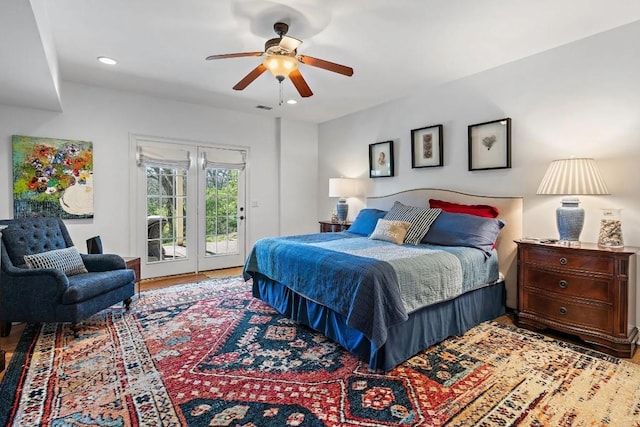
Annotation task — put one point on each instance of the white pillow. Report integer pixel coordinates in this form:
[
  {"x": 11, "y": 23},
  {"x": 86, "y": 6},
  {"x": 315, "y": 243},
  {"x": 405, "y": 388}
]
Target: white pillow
[
  {"x": 68, "y": 260},
  {"x": 390, "y": 231}
]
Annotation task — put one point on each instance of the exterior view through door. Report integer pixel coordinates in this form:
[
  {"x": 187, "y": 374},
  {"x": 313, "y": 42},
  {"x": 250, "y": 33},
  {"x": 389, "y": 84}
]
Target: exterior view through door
[{"x": 192, "y": 218}]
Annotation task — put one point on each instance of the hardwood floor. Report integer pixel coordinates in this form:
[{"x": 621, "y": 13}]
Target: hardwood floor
[{"x": 9, "y": 343}]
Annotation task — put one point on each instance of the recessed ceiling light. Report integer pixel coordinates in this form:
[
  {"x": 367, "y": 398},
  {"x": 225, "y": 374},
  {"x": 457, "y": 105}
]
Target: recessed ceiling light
[
  {"x": 292, "y": 101},
  {"x": 106, "y": 60}
]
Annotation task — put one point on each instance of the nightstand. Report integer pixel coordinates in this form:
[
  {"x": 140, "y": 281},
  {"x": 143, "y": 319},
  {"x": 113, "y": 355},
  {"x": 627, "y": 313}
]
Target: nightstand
[
  {"x": 584, "y": 291},
  {"x": 333, "y": 227},
  {"x": 133, "y": 263}
]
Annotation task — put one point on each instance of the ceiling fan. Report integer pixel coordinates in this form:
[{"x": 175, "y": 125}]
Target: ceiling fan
[{"x": 282, "y": 60}]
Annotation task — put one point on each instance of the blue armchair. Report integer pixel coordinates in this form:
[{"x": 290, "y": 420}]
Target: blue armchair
[{"x": 42, "y": 295}]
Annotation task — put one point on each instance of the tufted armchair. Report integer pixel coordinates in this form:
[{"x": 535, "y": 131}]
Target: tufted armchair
[{"x": 36, "y": 295}]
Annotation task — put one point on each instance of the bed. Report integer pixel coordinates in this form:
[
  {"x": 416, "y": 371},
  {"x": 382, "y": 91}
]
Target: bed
[{"x": 367, "y": 294}]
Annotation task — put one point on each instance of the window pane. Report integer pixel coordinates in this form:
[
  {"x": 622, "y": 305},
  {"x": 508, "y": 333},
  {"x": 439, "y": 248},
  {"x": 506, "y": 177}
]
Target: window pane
[{"x": 166, "y": 214}]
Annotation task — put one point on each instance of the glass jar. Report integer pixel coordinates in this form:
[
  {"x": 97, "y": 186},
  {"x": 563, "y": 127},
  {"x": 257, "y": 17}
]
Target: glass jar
[{"x": 610, "y": 235}]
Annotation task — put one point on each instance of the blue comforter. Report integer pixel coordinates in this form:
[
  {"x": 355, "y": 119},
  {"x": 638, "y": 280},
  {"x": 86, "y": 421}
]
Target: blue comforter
[{"x": 373, "y": 284}]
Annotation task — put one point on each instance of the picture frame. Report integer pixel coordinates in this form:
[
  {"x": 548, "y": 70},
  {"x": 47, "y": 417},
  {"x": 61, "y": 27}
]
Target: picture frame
[
  {"x": 426, "y": 147},
  {"x": 381, "y": 159},
  {"x": 490, "y": 145},
  {"x": 52, "y": 177}
]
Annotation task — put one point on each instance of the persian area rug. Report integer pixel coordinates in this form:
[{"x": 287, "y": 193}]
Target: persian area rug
[{"x": 208, "y": 354}]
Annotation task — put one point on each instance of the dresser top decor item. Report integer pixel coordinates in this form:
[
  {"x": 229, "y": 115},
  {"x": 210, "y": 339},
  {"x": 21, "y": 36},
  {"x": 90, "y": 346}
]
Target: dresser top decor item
[{"x": 572, "y": 177}]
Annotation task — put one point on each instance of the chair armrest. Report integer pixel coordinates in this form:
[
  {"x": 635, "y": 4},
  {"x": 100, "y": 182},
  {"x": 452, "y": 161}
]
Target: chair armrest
[
  {"x": 103, "y": 262},
  {"x": 46, "y": 283}
]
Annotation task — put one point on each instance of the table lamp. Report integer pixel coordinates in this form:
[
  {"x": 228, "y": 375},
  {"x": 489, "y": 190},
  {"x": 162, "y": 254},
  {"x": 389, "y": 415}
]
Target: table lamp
[
  {"x": 342, "y": 188},
  {"x": 571, "y": 177}
]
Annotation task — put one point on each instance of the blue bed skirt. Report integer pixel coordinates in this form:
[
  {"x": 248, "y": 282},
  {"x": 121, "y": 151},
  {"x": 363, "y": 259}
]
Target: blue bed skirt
[{"x": 424, "y": 327}]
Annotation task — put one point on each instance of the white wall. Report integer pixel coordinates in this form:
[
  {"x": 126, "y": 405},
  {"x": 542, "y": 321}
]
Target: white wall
[
  {"x": 298, "y": 177},
  {"x": 577, "y": 100},
  {"x": 107, "y": 118},
  {"x": 582, "y": 100}
]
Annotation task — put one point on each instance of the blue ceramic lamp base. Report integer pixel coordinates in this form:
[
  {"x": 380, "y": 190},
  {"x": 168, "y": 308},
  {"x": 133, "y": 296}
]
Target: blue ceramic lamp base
[
  {"x": 342, "y": 209},
  {"x": 570, "y": 219}
]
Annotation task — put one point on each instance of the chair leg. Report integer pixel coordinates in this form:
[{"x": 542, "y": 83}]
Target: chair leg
[
  {"x": 5, "y": 329},
  {"x": 127, "y": 304},
  {"x": 76, "y": 330}
]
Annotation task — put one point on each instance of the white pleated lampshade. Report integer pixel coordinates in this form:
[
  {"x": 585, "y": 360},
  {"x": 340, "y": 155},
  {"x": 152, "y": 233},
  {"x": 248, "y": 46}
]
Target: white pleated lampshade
[{"x": 572, "y": 177}]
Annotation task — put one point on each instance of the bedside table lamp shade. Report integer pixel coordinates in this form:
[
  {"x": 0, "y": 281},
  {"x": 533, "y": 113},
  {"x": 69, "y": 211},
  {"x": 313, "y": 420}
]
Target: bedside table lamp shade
[
  {"x": 342, "y": 188},
  {"x": 571, "y": 177}
]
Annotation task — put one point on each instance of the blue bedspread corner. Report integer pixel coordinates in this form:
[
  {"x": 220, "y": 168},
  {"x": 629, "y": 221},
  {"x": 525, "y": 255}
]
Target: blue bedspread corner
[{"x": 367, "y": 293}]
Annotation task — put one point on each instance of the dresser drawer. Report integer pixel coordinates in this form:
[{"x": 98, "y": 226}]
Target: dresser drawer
[
  {"x": 570, "y": 285},
  {"x": 571, "y": 313},
  {"x": 572, "y": 259}
]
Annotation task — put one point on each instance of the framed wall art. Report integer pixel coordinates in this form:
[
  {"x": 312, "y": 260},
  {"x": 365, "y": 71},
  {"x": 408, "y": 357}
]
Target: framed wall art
[
  {"x": 52, "y": 177},
  {"x": 426, "y": 147},
  {"x": 381, "y": 159},
  {"x": 490, "y": 145}
]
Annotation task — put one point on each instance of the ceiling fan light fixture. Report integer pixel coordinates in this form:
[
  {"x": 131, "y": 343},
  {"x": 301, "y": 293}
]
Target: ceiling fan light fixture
[
  {"x": 280, "y": 65},
  {"x": 281, "y": 59}
]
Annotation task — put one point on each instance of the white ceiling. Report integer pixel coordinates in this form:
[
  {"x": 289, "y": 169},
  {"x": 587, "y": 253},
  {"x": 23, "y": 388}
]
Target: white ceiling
[{"x": 394, "y": 46}]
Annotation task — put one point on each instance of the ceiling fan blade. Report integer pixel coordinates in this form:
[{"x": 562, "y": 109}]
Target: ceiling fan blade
[
  {"x": 326, "y": 65},
  {"x": 289, "y": 43},
  {"x": 300, "y": 84},
  {"x": 233, "y": 55},
  {"x": 254, "y": 74}
]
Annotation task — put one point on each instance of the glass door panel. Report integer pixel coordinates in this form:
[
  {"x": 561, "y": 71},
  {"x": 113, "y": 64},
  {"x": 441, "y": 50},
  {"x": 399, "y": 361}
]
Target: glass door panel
[
  {"x": 166, "y": 214},
  {"x": 223, "y": 217},
  {"x": 221, "y": 199}
]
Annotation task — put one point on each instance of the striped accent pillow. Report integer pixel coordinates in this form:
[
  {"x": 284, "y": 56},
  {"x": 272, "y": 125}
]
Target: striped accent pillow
[
  {"x": 420, "y": 219},
  {"x": 68, "y": 260}
]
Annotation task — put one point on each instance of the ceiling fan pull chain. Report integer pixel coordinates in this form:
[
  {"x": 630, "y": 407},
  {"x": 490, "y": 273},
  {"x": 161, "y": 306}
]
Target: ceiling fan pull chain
[{"x": 280, "y": 99}]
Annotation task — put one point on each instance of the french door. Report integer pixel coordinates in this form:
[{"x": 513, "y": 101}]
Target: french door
[
  {"x": 222, "y": 211},
  {"x": 191, "y": 213}
]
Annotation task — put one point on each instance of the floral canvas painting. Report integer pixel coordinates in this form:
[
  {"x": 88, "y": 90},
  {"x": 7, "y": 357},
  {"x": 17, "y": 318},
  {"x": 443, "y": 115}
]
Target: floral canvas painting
[{"x": 52, "y": 177}]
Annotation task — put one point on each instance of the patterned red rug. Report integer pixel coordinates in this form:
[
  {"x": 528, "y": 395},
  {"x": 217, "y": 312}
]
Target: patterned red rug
[{"x": 208, "y": 354}]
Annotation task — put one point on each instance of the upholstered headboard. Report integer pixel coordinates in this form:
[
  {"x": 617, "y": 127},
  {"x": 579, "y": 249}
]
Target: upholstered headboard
[{"x": 510, "y": 209}]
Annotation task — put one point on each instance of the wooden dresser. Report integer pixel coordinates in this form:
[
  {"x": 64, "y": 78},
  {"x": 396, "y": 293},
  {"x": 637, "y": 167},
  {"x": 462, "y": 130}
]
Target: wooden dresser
[{"x": 585, "y": 291}]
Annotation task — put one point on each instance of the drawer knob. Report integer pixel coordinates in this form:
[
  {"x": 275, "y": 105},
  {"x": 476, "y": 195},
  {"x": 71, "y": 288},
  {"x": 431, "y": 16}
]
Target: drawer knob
[
  {"x": 563, "y": 260},
  {"x": 563, "y": 284},
  {"x": 563, "y": 310}
]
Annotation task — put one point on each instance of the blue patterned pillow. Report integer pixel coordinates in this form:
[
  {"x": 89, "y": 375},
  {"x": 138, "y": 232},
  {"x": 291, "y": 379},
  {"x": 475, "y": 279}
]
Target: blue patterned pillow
[
  {"x": 420, "y": 219},
  {"x": 458, "y": 229},
  {"x": 68, "y": 260},
  {"x": 366, "y": 221}
]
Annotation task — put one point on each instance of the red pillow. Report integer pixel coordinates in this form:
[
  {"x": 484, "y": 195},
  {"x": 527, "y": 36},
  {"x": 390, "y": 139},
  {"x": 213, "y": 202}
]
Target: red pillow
[{"x": 485, "y": 211}]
